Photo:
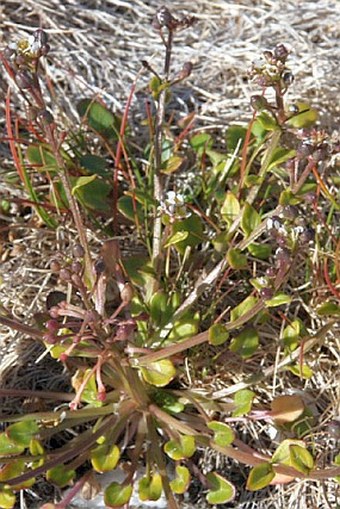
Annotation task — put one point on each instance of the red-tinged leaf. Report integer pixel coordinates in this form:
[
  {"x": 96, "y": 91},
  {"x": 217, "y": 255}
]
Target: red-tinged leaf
[{"x": 285, "y": 409}]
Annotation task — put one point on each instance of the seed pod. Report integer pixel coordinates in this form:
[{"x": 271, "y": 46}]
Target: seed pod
[
  {"x": 163, "y": 18},
  {"x": 41, "y": 37},
  {"x": 126, "y": 293},
  {"x": 65, "y": 274},
  {"x": 76, "y": 267},
  {"x": 267, "y": 293},
  {"x": 307, "y": 236},
  {"x": 99, "y": 266},
  {"x": 52, "y": 325},
  {"x": 258, "y": 102},
  {"x": 290, "y": 212},
  {"x": 288, "y": 78},
  {"x": 271, "y": 272},
  {"x": 76, "y": 280},
  {"x": 24, "y": 79},
  {"x": 282, "y": 256},
  {"x": 78, "y": 251},
  {"x": 45, "y": 117},
  {"x": 55, "y": 265}
]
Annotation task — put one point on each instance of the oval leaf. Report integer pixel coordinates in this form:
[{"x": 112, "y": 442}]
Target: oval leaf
[
  {"x": 236, "y": 259},
  {"x": 180, "y": 484},
  {"x": 116, "y": 495},
  {"x": 246, "y": 343},
  {"x": 221, "y": 492},
  {"x": 243, "y": 308},
  {"x": 218, "y": 334},
  {"x": 150, "y": 488},
  {"x": 105, "y": 457},
  {"x": 243, "y": 400},
  {"x": 159, "y": 373},
  {"x": 278, "y": 300},
  {"x": 7, "y": 499},
  {"x": 260, "y": 476},
  {"x": 230, "y": 208},
  {"x": 185, "y": 448},
  {"x": 22, "y": 432},
  {"x": 60, "y": 475},
  {"x": 285, "y": 409},
  {"x": 250, "y": 219},
  {"x": 223, "y": 434},
  {"x": 8, "y": 447}
]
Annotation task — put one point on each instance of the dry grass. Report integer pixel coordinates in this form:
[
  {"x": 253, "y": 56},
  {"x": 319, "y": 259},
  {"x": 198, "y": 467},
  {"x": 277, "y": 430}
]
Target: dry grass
[{"x": 97, "y": 48}]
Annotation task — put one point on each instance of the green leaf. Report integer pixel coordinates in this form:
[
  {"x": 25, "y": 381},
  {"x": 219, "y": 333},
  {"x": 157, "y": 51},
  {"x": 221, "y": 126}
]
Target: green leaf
[
  {"x": 180, "y": 484},
  {"x": 8, "y": 447},
  {"x": 243, "y": 401},
  {"x": 250, "y": 219},
  {"x": 160, "y": 312},
  {"x": 98, "y": 117},
  {"x": 185, "y": 448},
  {"x": 260, "y": 476},
  {"x": 246, "y": 343},
  {"x": 22, "y": 432},
  {"x": 90, "y": 392},
  {"x": 193, "y": 226},
  {"x": 130, "y": 208},
  {"x": 218, "y": 334},
  {"x": 306, "y": 117},
  {"x": 105, "y": 457},
  {"x": 94, "y": 164},
  {"x": 185, "y": 327},
  {"x": 280, "y": 156},
  {"x": 201, "y": 141},
  {"x": 60, "y": 475},
  {"x": 116, "y": 495},
  {"x": 7, "y": 498},
  {"x": 230, "y": 208},
  {"x": 301, "y": 459},
  {"x": 176, "y": 238},
  {"x": 223, "y": 434},
  {"x": 41, "y": 158},
  {"x": 150, "y": 488},
  {"x": 291, "y": 335},
  {"x": 328, "y": 308},
  {"x": 93, "y": 193},
  {"x": 267, "y": 121},
  {"x": 293, "y": 453},
  {"x": 305, "y": 373},
  {"x": 172, "y": 165},
  {"x": 159, "y": 373},
  {"x": 221, "y": 492},
  {"x": 278, "y": 300},
  {"x": 261, "y": 251},
  {"x": 243, "y": 308},
  {"x": 234, "y": 134},
  {"x": 236, "y": 259}
]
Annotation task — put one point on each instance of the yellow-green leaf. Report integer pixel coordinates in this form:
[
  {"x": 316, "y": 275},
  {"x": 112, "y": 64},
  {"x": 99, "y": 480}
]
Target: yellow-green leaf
[
  {"x": 221, "y": 492},
  {"x": 7, "y": 499},
  {"x": 236, "y": 259},
  {"x": 105, "y": 457},
  {"x": 230, "y": 208},
  {"x": 116, "y": 495},
  {"x": 9, "y": 447},
  {"x": 246, "y": 343},
  {"x": 250, "y": 219},
  {"x": 180, "y": 484},
  {"x": 185, "y": 448},
  {"x": 243, "y": 400},
  {"x": 60, "y": 475},
  {"x": 218, "y": 334},
  {"x": 22, "y": 432},
  {"x": 223, "y": 434},
  {"x": 159, "y": 373},
  {"x": 150, "y": 487},
  {"x": 243, "y": 308},
  {"x": 260, "y": 476}
]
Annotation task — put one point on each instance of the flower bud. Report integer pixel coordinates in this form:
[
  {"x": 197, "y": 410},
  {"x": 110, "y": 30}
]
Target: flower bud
[
  {"x": 281, "y": 52},
  {"x": 258, "y": 102},
  {"x": 45, "y": 117},
  {"x": 267, "y": 293},
  {"x": 126, "y": 293},
  {"x": 78, "y": 251},
  {"x": 288, "y": 78},
  {"x": 76, "y": 267},
  {"x": 99, "y": 266},
  {"x": 307, "y": 236},
  {"x": 163, "y": 18}
]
